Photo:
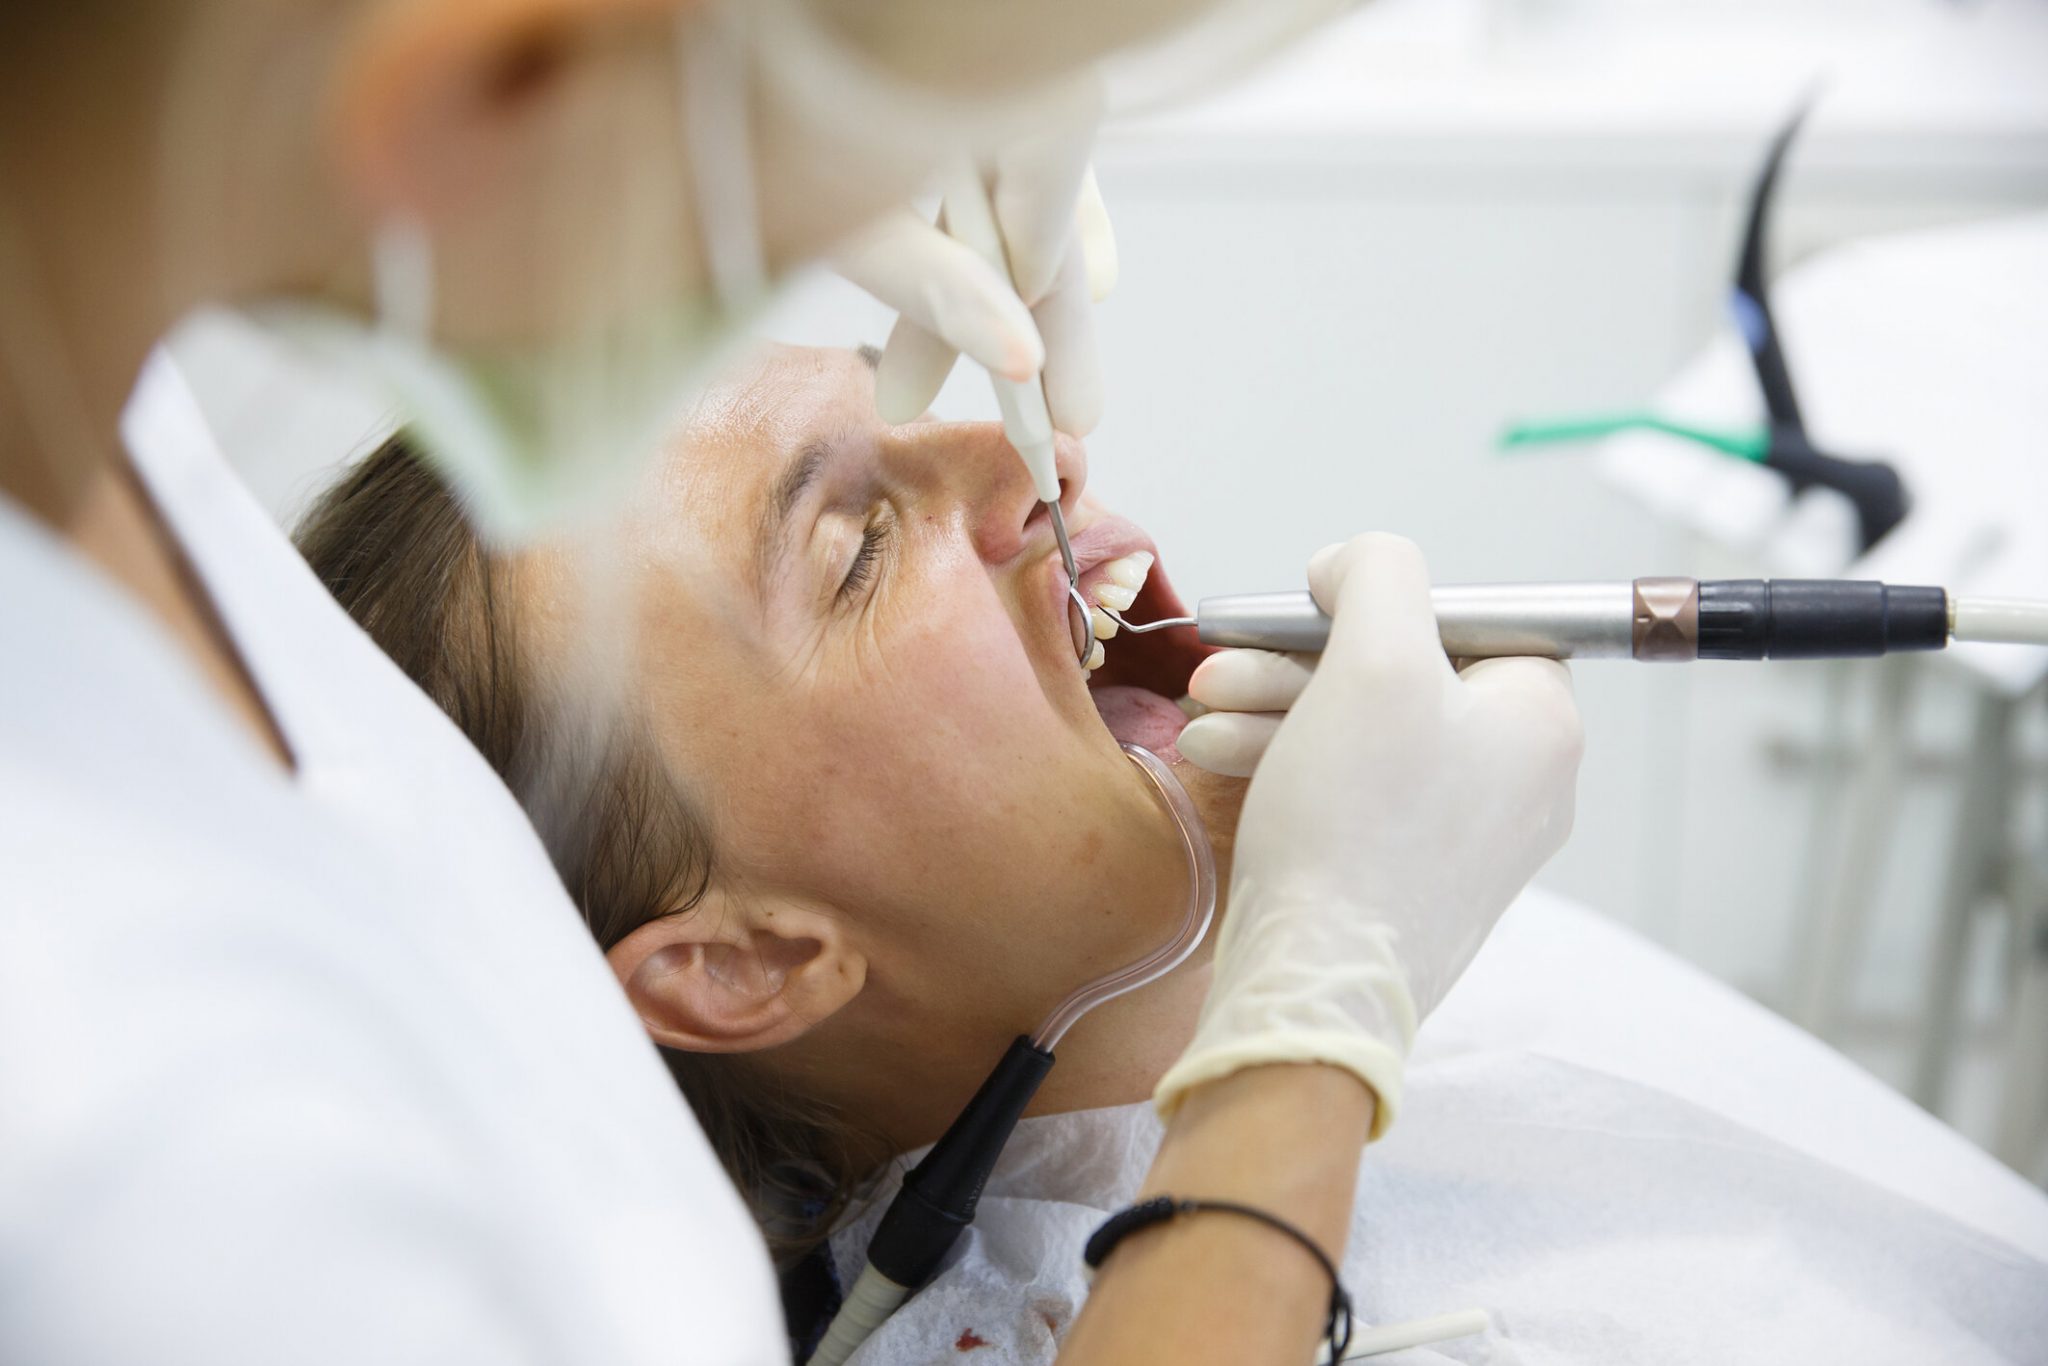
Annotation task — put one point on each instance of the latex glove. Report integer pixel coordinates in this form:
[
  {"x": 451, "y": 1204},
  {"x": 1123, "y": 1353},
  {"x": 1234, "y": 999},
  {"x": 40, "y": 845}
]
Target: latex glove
[
  {"x": 1247, "y": 693},
  {"x": 1398, "y": 809},
  {"x": 1062, "y": 261}
]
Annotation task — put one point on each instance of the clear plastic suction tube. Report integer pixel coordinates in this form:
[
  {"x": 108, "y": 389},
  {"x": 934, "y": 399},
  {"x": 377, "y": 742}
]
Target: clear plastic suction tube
[{"x": 1201, "y": 864}]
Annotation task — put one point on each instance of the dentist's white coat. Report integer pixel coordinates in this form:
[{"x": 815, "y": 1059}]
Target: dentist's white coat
[{"x": 309, "y": 1067}]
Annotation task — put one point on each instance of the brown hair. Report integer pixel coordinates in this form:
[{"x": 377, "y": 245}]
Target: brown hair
[{"x": 392, "y": 544}]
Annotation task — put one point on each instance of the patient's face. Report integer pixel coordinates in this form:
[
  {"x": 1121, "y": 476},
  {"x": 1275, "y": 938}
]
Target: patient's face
[{"x": 857, "y": 658}]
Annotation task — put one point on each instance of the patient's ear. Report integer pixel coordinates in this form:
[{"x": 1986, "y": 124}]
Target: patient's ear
[{"x": 738, "y": 974}]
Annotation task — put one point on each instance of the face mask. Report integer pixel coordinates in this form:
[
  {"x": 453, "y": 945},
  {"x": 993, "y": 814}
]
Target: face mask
[{"x": 539, "y": 437}]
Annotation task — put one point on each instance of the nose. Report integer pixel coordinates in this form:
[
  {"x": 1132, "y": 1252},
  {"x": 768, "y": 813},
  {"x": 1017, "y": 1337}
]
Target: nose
[{"x": 974, "y": 464}]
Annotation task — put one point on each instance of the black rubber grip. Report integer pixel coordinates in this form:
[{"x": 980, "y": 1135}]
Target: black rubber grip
[
  {"x": 1818, "y": 618},
  {"x": 940, "y": 1194}
]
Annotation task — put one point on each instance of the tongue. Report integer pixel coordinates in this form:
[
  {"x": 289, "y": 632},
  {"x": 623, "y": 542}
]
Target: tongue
[{"x": 1138, "y": 717}]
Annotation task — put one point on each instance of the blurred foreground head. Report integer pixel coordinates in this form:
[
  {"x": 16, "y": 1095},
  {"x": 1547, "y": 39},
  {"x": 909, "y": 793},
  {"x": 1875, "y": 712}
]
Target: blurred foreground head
[{"x": 528, "y": 224}]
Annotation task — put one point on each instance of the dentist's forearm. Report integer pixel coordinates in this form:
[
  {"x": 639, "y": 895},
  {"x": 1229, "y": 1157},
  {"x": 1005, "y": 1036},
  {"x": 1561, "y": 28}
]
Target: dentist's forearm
[{"x": 1211, "y": 1288}]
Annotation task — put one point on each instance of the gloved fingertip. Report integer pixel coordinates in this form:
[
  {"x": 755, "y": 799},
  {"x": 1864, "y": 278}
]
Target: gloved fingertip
[
  {"x": 1223, "y": 678},
  {"x": 912, "y": 370},
  {"x": 1096, "y": 239},
  {"x": 1395, "y": 562},
  {"x": 1320, "y": 562},
  {"x": 1073, "y": 364},
  {"x": 991, "y": 325},
  {"x": 898, "y": 406},
  {"x": 1219, "y": 743},
  {"x": 1017, "y": 354},
  {"x": 1211, "y": 677},
  {"x": 1025, "y": 358},
  {"x": 1249, "y": 681},
  {"x": 1102, "y": 273},
  {"x": 1076, "y": 418},
  {"x": 1073, "y": 394}
]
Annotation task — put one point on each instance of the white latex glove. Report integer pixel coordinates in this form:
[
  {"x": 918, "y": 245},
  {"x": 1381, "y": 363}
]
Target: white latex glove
[
  {"x": 1062, "y": 260},
  {"x": 1398, "y": 809},
  {"x": 1247, "y": 693}
]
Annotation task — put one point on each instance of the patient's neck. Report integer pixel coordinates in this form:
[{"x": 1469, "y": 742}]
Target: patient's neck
[
  {"x": 1117, "y": 1052},
  {"x": 905, "y": 1091},
  {"x": 1114, "y": 1055}
]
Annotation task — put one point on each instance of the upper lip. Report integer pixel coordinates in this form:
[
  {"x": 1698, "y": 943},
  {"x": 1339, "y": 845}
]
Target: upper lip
[
  {"x": 1160, "y": 662},
  {"x": 1104, "y": 538}
]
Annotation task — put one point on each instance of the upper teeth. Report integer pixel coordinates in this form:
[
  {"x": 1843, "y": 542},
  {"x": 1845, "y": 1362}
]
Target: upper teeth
[
  {"x": 1117, "y": 589},
  {"x": 1121, "y": 580}
]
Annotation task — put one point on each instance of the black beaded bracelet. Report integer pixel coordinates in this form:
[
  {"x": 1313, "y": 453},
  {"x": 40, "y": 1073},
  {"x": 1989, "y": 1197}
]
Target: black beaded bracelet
[{"x": 1162, "y": 1208}]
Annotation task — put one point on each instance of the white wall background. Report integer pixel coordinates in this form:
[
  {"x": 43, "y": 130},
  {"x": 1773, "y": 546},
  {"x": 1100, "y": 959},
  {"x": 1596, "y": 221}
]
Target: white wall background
[{"x": 1341, "y": 279}]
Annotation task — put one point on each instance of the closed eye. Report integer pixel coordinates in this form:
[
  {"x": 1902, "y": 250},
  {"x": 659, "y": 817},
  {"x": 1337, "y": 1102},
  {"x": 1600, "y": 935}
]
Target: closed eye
[{"x": 874, "y": 537}]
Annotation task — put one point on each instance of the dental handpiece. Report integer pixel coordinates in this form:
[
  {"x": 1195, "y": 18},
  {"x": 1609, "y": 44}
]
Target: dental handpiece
[{"x": 1654, "y": 619}]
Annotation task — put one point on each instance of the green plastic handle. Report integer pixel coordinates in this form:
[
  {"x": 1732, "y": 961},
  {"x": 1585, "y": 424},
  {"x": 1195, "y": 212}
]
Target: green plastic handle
[{"x": 1753, "y": 445}]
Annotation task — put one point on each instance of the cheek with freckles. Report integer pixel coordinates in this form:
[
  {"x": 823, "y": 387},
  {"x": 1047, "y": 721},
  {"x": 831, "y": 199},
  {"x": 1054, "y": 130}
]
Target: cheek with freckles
[{"x": 928, "y": 766}]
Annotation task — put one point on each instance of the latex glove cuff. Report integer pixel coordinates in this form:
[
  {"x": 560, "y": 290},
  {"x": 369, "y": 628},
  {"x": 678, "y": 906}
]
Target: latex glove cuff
[{"x": 1287, "y": 991}]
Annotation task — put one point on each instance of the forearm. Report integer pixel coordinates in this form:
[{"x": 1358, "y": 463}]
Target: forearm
[{"x": 1214, "y": 1288}]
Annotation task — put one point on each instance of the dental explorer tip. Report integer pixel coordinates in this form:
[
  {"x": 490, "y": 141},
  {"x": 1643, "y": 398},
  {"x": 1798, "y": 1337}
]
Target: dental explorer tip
[
  {"x": 1059, "y": 532},
  {"x": 1162, "y": 624}
]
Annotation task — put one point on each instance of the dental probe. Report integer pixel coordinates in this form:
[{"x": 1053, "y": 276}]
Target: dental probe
[
  {"x": 1652, "y": 619},
  {"x": 1027, "y": 422}
]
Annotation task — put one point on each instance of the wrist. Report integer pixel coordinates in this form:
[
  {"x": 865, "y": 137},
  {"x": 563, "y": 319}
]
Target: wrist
[
  {"x": 1284, "y": 1137},
  {"x": 1276, "y": 1095},
  {"x": 1257, "y": 1058}
]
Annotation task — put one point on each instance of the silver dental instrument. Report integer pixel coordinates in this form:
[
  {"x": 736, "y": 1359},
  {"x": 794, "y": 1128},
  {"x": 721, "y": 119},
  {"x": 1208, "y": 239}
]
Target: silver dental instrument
[
  {"x": 1651, "y": 619},
  {"x": 1080, "y": 623},
  {"x": 1027, "y": 422},
  {"x": 940, "y": 1194}
]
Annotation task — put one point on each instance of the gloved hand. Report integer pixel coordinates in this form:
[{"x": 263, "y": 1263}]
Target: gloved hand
[
  {"x": 1398, "y": 809},
  {"x": 1062, "y": 260},
  {"x": 1247, "y": 693}
]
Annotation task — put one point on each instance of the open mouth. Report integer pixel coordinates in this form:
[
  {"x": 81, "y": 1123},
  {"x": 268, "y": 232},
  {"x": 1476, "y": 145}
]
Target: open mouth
[{"x": 1138, "y": 685}]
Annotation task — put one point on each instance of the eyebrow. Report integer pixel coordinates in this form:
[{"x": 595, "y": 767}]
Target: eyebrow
[
  {"x": 788, "y": 491},
  {"x": 790, "y": 486}
]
